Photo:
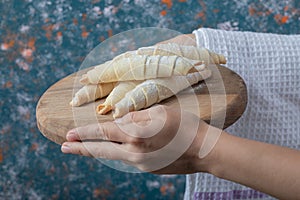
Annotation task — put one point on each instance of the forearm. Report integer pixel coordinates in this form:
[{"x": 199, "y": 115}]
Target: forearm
[{"x": 268, "y": 168}]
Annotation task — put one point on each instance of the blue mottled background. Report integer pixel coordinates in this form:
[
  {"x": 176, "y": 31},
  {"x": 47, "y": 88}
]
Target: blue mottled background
[{"x": 42, "y": 41}]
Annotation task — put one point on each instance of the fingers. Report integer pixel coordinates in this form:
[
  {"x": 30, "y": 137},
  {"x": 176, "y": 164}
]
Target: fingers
[
  {"x": 140, "y": 124},
  {"x": 143, "y": 124},
  {"x": 141, "y": 117},
  {"x": 134, "y": 117},
  {"x": 104, "y": 131},
  {"x": 122, "y": 130},
  {"x": 106, "y": 150},
  {"x": 185, "y": 39}
]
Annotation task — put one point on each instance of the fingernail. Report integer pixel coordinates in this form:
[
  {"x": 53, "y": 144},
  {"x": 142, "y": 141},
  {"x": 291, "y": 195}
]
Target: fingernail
[
  {"x": 71, "y": 135},
  {"x": 65, "y": 148}
]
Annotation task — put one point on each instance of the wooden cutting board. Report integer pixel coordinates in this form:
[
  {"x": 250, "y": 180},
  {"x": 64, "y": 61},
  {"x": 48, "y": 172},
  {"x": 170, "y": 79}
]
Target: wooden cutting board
[{"x": 220, "y": 101}]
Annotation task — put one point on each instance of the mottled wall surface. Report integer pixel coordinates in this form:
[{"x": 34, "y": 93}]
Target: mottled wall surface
[{"x": 42, "y": 41}]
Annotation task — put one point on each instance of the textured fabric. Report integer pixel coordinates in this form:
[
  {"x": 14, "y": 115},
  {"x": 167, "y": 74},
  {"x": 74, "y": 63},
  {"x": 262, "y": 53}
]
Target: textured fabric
[{"x": 269, "y": 64}]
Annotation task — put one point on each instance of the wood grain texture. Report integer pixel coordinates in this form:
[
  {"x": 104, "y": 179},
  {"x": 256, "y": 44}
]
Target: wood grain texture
[{"x": 220, "y": 101}]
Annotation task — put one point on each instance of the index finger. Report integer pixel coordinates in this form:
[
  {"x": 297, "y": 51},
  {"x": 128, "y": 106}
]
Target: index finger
[{"x": 102, "y": 131}]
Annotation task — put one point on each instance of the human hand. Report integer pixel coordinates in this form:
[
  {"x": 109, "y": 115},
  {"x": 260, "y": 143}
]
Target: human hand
[
  {"x": 160, "y": 139},
  {"x": 184, "y": 39}
]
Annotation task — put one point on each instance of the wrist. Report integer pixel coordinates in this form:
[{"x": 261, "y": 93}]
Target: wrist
[
  {"x": 209, "y": 155},
  {"x": 216, "y": 156}
]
